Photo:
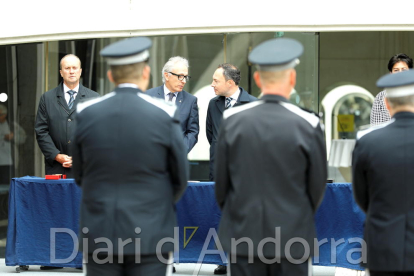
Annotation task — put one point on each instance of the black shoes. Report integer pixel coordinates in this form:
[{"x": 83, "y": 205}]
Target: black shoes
[
  {"x": 174, "y": 269},
  {"x": 221, "y": 269}
]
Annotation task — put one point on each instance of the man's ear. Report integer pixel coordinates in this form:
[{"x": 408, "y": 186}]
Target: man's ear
[
  {"x": 257, "y": 80},
  {"x": 146, "y": 73},
  {"x": 292, "y": 79},
  {"x": 110, "y": 77},
  {"x": 387, "y": 104}
]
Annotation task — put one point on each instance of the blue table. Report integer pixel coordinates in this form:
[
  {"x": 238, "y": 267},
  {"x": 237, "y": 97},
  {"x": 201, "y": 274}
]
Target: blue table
[{"x": 37, "y": 205}]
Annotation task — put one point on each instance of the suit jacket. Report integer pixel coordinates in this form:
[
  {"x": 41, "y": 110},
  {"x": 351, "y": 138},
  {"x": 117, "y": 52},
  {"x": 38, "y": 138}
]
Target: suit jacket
[
  {"x": 214, "y": 116},
  {"x": 131, "y": 163},
  {"x": 270, "y": 172},
  {"x": 54, "y": 126},
  {"x": 383, "y": 174},
  {"x": 188, "y": 110}
]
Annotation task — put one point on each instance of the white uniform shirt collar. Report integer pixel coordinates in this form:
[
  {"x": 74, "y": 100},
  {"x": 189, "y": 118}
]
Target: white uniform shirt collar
[{"x": 131, "y": 85}]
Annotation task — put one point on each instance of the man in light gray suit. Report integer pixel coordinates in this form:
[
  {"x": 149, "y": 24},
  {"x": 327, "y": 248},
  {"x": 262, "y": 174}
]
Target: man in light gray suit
[{"x": 175, "y": 76}]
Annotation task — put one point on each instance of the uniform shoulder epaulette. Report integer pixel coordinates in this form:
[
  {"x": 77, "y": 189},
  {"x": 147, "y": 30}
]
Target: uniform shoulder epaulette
[
  {"x": 310, "y": 111},
  {"x": 91, "y": 101},
  {"x": 311, "y": 117},
  {"x": 364, "y": 132},
  {"x": 234, "y": 110},
  {"x": 168, "y": 107}
]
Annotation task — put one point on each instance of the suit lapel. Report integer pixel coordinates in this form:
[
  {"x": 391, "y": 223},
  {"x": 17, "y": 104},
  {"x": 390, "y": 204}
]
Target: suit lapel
[
  {"x": 160, "y": 92},
  {"x": 179, "y": 100},
  {"x": 61, "y": 99},
  {"x": 220, "y": 103},
  {"x": 243, "y": 98}
]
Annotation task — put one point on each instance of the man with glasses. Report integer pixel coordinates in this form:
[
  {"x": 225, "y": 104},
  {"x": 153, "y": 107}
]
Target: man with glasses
[{"x": 175, "y": 76}]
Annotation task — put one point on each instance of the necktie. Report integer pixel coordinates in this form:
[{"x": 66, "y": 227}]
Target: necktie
[
  {"x": 170, "y": 96},
  {"x": 71, "y": 99},
  {"x": 228, "y": 102}
]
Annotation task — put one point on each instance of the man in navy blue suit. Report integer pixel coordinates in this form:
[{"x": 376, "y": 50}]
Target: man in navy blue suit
[
  {"x": 226, "y": 81},
  {"x": 175, "y": 76}
]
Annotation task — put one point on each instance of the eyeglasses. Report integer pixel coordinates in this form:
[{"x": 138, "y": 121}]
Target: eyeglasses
[{"x": 181, "y": 77}]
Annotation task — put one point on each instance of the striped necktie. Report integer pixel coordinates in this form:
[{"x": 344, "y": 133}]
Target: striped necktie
[
  {"x": 228, "y": 102},
  {"x": 71, "y": 99}
]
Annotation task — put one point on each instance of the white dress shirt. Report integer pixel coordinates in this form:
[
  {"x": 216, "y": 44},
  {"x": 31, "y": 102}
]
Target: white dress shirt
[
  {"x": 67, "y": 96},
  {"x": 233, "y": 97},
  {"x": 166, "y": 96}
]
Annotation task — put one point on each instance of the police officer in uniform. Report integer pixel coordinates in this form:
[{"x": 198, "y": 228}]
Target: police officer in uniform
[
  {"x": 131, "y": 162},
  {"x": 383, "y": 174},
  {"x": 271, "y": 171}
]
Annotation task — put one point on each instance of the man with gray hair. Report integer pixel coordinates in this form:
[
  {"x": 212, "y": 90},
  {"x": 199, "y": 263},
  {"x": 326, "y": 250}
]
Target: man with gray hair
[
  {"x": 382, "y": 166},
  {"x": 175, "y": 76}
]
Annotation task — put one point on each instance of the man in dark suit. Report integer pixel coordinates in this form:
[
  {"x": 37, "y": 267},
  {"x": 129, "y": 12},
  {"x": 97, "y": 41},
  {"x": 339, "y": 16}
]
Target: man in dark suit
[
  {"x": 226, "y": 81},
  {"x": 175, "y": 76},
  {"x": 382, "y": 166},
  {"x": 131, "y": 163},
  {"x": 270, "y": 171},
  {"x": 55, "y": 117}
]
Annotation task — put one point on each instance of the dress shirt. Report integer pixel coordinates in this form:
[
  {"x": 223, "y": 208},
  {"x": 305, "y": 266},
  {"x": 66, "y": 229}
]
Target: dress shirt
[
  {"x": 67, "y": 96},
  {"x": 166, "y": 96},
  {"x": 234, "y": 98}
]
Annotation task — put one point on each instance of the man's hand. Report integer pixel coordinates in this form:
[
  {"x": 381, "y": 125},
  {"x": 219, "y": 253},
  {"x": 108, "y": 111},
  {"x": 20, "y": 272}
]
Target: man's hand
[
  {"x": 68, "y": 164},
  {"x": 65, "y": 160},
  {"x": 9, "y": 137}
]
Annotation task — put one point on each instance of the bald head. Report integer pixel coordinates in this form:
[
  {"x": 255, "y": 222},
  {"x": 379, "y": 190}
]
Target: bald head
[{"x": 70, "y": 70}]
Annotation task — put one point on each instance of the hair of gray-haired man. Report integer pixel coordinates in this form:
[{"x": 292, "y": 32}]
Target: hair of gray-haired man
[
  {"x": 401, "y": 101},
  {"x": 169, "y": 66}
]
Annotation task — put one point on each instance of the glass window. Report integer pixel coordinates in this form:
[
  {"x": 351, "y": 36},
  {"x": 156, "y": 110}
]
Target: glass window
[{"x": 306, "y": 91}]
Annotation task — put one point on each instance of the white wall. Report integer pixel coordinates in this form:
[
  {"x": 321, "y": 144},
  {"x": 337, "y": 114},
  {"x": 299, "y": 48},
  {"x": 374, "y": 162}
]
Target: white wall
[{"x": 45, "y": 20}]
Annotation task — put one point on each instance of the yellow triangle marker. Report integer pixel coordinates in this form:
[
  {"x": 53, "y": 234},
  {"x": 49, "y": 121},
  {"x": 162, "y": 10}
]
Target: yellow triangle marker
[{"x": 185, "y": 234}]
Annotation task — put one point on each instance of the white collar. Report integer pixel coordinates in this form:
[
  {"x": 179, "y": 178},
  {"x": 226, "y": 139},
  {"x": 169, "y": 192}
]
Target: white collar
[
  {"x": 127, "y": 85},
  {"x": 167, "y": 91},
  {"x": 236, "y": 94},
  {"x": 66, "y": 89}
]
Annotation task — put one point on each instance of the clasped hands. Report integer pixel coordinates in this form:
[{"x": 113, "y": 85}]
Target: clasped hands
[{"x": 65, "y": 160}]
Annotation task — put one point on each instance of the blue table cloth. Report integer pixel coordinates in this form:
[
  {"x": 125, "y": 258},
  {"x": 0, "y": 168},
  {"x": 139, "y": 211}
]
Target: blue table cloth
[{"x": 36, "y": 205}]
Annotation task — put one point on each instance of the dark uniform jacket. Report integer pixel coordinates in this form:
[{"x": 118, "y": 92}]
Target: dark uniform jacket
[
  {"x": 131, "y": 162},
  {"x": 383, "y": 175},
  {"x": 188, "y": 110},
  {"x": 54, "y": 126},
  {"x": 214, "y": 116},
  {"x": 271, "y": 173}
]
